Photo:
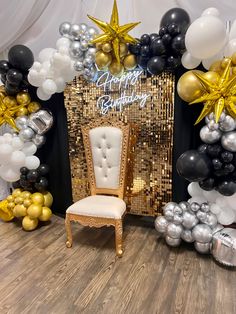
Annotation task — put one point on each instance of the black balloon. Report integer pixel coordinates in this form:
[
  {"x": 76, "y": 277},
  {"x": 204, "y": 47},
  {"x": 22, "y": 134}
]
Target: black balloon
[
  {"x": 178, "y": 16},
  {"x": 166, "y": 39},
  {"x": 4, "y": 66},
  {"x": 173, "y": 62},
  {"x": 156, "y": 65},
  {"x": 21, "y": 57},
  {"x": 157, "y": 47},
  {"x": 178, "y": 44},
  {"x": 42, "y": 184},
  {"x": 227, "y": 188},
  {"x": 154, "y": 36},
  {"x": 14, "y": 76},
  {"x": 3, "y": 78},
  {"x": 135, "y": 49},
  {"x": 43, "y": 169},
  {"x": 229, "y": 167},
  {"x": 16, "y": 184},
  {"x": 144, "y": 51},
  {"x": 217, "y": 164},
  {"x": 214, "y": 150},
  {"x": 207, "y": 184},
  {"x": 32, "y": 175},
  {"x": 227, "y": 156},
  {"x": 173, "y": 29},
  {"x": 142, "y": 62},
  {"x": 24, "y": 170},
  {"x": 202, "y": 148},
  {"x": 145, "y": 39},
  {"x": 163, "y": 30},
  {"x": 10, "y": 89},
  {"x": 194, "y": 166}
]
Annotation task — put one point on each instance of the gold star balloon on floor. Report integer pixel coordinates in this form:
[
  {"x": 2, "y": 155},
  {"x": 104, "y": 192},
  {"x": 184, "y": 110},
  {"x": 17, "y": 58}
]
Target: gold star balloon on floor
[
  {"x": 219, "y": 94},
  {"x": 114, "y": 39}
]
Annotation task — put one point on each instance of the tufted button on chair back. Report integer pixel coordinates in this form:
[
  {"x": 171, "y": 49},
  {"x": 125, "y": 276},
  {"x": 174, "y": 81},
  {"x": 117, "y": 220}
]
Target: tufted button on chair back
[{"x": 106, "y": 145}]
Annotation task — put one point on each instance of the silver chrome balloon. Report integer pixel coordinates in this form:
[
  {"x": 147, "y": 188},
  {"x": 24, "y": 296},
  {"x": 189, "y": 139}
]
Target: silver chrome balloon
[
  {"x": 64, "y": 29},
  {"x": 172, "y": 242},
  {"x": 202, "y": 233},
  {"x": 184, "y": 206},
  {"x": 194, "y": 207},
  {"x": 212, "y": 125},
  {"x": 83, "y": 28},
  {"x": 40, "y": 121},
  {"x": 169, "y": 215},
  {"x": 26, "y": 134},
  {"x": 178, "y": 210},
  {"x": 228, "y": 141},
  {"x": 208, "y": 136},
  {"x": 174, "y": 231},
  {"x": 224, "y": 246},
  {"x": 75, "y": 51},
  {"x": 75, "y": 31},
  {"x": 205, "y": 207},
  {"x": 78, "y": 66},
  {"x": 228, "y": 124},
  {"x": 88, "y": 62},
  {"x": 189, "y": 220},
  {"x": 91, "y": 52},
  {"x": 201, "y": 216},
  {"x": 177, "y": 219},
  {"x": 39, "y": 140},
  {"x": 92, "y": 32},
  {"x": 202, "y": 248},
  {"x": 161, "y": 224},
  {"x": 84, "y": 45},
  {"x": 211, "y": 220},
  {"x": 186, "y": 235},
  {"x": 21, "y": 122}
]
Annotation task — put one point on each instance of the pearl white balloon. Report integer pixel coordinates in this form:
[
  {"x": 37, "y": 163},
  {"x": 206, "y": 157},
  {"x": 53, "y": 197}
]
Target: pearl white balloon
[
  {"x": 211, "y": 195},
  {"x": 63, "y": 41},
  {"x": 205, "y": 37},
  {"x": 5, "y": 153},
  {"x": 29, "y": 148},
  {"x": 211, "y": 11},
  {"x": 226, "y": 216},
  {"x": 7, "y": 138},
  {"x": 17, "y": 143},
  {"x": 189, "y": 62},
  {"x": 215, "y": 209},
  {"x": 42, "y": 95},
  {"x": 61, "y": 85},
  {"x": 8, "y": 174},
  {"x": 49, "y": 87},
  {"x": 208, "y": 62},
  {"x": 46, "y": 54},
  {"x": 194, "y": 189},
  {"x": 32, "y": 162},
  {"x": 17, "y": 159},
  {"x": 230, "y": 48},
  {"x": 36, "y": 66}
]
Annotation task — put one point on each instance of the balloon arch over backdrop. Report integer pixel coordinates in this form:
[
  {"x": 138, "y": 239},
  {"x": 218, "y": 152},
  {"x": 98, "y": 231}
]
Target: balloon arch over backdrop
[{"x": 83, "y": 51}]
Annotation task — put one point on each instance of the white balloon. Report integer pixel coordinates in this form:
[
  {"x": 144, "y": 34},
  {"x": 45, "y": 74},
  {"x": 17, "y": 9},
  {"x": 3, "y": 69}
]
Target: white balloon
[
  {"x": 211, "y": 196},
  {"x": 194, "y": 189},
  {"x": 188, "y": 61},
  {"x": 205, "y": 37},
  {"x": 221, "y": 201},
  {"x": 60, "y": 82},
  {"x": 60, "y": 61},
  {"x": 41, "y": 95},
  {"x": 17, "y": 159},
  {"x": 7, "y": 138},
  {"x": 36, "y": 78},
  {"x": 208, "y": 62},
  {"x": 215, "y": 209},
  {"x": 49, "y": 87},
  {"x": 211, "y": 11},
  {"x": 5, "y": 153},
  {"x": 46, "y": 54},
  {"x": 63, "y": 42},
  {"x": 17, "y": 143},
  {"x": 231, "y": 201},
  {"x": 8, "y": 174},
  {"x": 230, "y": 48},
  {"x": 68, "y": 73},
  {"x": 226, "y": 217},
  {"x": 232, "y": 34},
  {"x": 32, "y": 162},
  {"x": 29, "y": 148},
  {"x": 36, "y": 66},
  {"x": 197, "y": 199},
  {"x": 2, "y": 140}
]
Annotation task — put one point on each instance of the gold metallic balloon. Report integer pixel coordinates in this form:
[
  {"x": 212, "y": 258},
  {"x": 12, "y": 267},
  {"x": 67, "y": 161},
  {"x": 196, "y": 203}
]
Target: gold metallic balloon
[
  {"x": 130, "y": 62},
  {"x": 10, "y": 101},
  {"x": 189, "y": 87},
  {"x": 46, "y": 214},
  {"x": 225, "y": 62},
  {"x": 19, "y": 200},
  {"x": 5, "y": 213},
  {"x": 106, "y": 47},
  {"x": 37, "y": 198},
  {"x": 29, "y": 223},
  {"x": 233, "y": 70},
  {"x": 116, "y": 68},
  {"x": 22, "y": 112},
  {"x": 16, "y": 192},
  {"x": 34, "y": 210},
  {"x": 27, "y": 202},
  {"x": 99, "y": 46},
  {"x": 25, "y": 194},
  {"x": 123, "y": 50},
  {"x": 212, "y": 76},
  {"x": 216, "y": 66},
  {"x": 33, "y": 106},
  {"x": 10, "y": 198},
  {"x": 48, "y": 199},
  {"x": 103, "y": 59},
  {"x": 19, "y": 211},
  {"x": 23, "y": 98},
  {"x": 233, "y": 58},
  {"x": 11, "y": 205}
]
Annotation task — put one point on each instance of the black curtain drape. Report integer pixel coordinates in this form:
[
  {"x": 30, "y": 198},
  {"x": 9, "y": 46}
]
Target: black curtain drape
[{"x": 55, "y": 151}]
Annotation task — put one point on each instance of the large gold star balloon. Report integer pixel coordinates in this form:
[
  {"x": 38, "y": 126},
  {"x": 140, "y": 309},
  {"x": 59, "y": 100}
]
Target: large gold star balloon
[
  {"x": 113, "y": 32},
  {"x": 219, "y": 95}
]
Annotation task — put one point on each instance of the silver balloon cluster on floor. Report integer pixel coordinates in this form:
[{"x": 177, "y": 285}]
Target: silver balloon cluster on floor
[
  {"x": 188, "y": 222},
  {"x": 80, "y": 49}
]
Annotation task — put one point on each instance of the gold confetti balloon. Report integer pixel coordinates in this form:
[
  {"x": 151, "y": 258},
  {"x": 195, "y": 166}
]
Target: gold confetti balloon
[
  {"x": 46, "y": 214},
  {"x": 29, "y": 223}
]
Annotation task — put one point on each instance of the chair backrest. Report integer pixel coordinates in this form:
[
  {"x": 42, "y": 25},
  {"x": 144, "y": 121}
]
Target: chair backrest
[{"x": 106, "y": 143}]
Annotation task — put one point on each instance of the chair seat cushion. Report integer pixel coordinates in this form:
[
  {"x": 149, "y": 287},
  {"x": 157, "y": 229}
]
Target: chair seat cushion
[{"x": 99, "y": 206}]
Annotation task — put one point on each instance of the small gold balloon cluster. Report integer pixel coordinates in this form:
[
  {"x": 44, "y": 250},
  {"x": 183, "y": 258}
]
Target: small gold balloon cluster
[
  {"x": 32, "y": 208},
  {"x": 216, "y": 89},
  {"x": 12, "y": 107},
  {"x": 106, "y": 60}
]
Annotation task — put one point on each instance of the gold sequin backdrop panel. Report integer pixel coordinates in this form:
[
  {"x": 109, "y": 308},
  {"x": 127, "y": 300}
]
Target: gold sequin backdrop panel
[{"x": 150, "y": 181}]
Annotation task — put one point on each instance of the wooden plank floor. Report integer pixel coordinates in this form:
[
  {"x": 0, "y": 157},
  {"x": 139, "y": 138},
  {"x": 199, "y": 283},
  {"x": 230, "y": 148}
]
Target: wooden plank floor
[{"x": 38, "y": 274}]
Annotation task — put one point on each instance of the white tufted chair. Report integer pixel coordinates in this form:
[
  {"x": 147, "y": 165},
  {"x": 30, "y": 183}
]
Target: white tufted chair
[{"x": 106, "y": 146}]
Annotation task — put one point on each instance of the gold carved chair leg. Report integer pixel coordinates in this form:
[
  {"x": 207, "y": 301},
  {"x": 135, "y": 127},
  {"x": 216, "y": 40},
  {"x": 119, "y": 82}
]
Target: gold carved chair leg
[
  {"x": 119, "y": 236},
  {"x": 68, "y": 231}
]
